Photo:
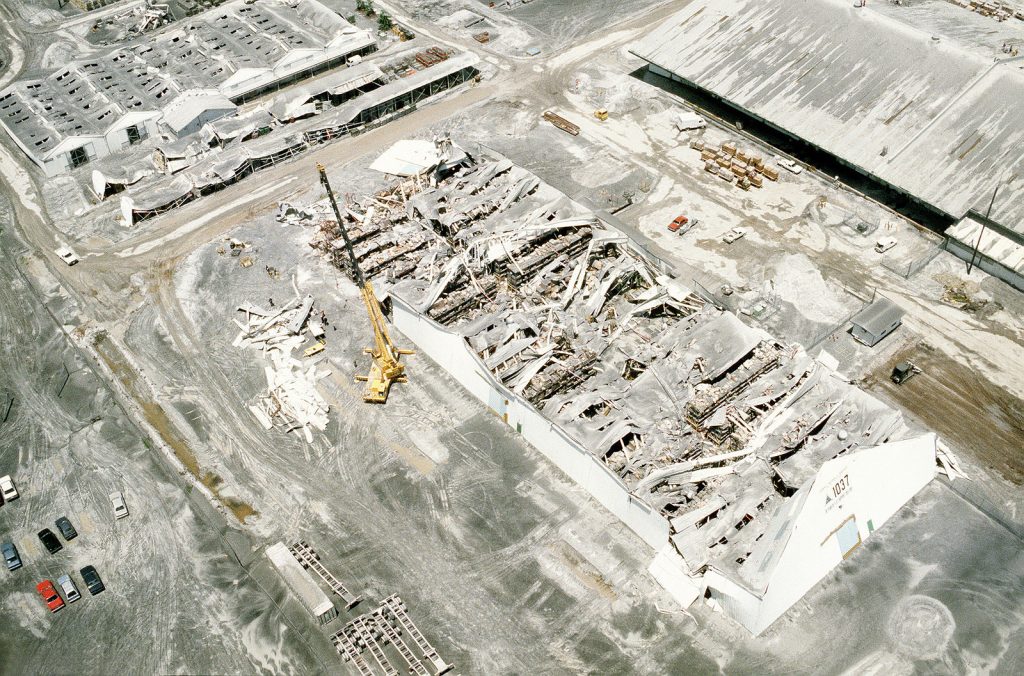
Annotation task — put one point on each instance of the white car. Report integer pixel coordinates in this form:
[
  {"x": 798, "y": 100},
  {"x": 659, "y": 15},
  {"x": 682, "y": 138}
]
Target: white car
[
  {"x": 7, "y": 489},
  {"x": 790, "y": 165},
  {"x": 120, "y": 508},
  {"x": 733, "y": 235},
  {"x": 884, "y": 244},
  {"x": 67, "y": 255},
  {"x": 69, "y": 588}
]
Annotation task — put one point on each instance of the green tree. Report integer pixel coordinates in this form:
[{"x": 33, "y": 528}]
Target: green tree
[{"x": 384, "y": 22}]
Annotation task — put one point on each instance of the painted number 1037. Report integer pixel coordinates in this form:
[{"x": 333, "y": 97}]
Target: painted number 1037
[{"x": 841, "y": 485}]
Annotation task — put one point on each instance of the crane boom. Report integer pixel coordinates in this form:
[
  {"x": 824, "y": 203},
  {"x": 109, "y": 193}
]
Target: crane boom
[{"x": 386, "y": 368}]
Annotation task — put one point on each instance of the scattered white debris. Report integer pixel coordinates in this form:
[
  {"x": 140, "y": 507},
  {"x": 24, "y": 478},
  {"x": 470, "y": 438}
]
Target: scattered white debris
[
  {"x": 292, "y": 400},
  {"x": 949, "y": 463}
]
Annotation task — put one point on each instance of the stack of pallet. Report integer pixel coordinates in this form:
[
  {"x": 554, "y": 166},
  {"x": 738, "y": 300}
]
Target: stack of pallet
[
  {"x": 431, "y": 57},
  {"x": 731, "y": 163}
]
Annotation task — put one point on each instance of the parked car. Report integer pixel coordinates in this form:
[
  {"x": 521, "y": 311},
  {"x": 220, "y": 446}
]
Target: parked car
[
  {"x": 120, "y": 508},
  {"x": 69, "y": 588},
  {"x": 67, "y": 255},
  {"x": 733, "y": 235},
  {"x": 66, "y": 529},
  {"x": 790, "y": 165},
  {"x": 50, "y": 596},
  {"x": 92, "y": 580},
  {"x": 11, "y": 557},
  {"x": 7, "y": 489},
  {"x": 884, "y": 244},
  {"x": 677, "y": 223},
  {"x": 50, "y": 541}
]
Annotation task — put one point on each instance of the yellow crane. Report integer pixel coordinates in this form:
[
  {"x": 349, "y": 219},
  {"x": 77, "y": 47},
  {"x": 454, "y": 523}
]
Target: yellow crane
[{"x": 386, "y": 368}]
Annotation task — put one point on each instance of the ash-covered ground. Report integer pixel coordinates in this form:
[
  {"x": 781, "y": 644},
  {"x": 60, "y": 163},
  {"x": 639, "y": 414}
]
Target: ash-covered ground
[{"x": 125, "y": 378}]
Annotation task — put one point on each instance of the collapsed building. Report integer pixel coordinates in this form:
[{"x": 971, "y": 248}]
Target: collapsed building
[
  {"x": 230, "y": 149},
  {"x": 922, "y": 98},
  {"x": 174, "y": 80},
  {"x": 750, "y": 468}
]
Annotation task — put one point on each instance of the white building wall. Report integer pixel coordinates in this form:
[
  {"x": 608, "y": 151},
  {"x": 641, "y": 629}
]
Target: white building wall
[
  {"x": 866, "y": 487},
  {"x": 872, "y": 484},
  {"x": 453, "y": 353}
]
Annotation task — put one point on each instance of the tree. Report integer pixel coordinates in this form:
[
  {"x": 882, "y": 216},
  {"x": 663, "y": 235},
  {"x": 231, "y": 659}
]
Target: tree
[{"x": 384, "y": 22}]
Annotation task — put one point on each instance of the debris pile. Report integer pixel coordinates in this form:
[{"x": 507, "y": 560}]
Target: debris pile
[
  {"x": 701, "y": 416},
  {"x": 291, "y": 401}
]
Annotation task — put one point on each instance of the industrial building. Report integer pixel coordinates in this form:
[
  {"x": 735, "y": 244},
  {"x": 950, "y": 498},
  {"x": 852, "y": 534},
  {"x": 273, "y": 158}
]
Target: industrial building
[
  {"x": 876, "y": 321},
  {"x": 235, "y": 147},
  {"x": 923, "y": 98},
  {"x": 714, "y": 442},
  {"x": 174, "y": 81}
]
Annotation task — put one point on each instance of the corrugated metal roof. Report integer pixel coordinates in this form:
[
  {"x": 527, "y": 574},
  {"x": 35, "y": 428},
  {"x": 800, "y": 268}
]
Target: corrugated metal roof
[
  {"x": 935, "y": 117},
  {"x": 879, "y": 316},
  {"x": 992, "y": 244}
]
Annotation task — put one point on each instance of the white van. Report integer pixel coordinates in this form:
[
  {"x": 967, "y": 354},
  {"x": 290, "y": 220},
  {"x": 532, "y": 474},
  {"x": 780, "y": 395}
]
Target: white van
[
  {"x": 884, "y": 244},
  {"x": 687, "y": 120}
]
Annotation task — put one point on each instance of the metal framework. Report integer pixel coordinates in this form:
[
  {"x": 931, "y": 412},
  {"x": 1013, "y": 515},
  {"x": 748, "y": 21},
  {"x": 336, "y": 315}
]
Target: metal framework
[{"x": 308, "y": 557}]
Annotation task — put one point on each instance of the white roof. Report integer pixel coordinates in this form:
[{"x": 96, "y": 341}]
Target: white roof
[
  {"x": 924, "y": 98},
  {"x": 180, "y": 112},
  {"x": 993, "y": 245},
  {"x": 408, "y": 158},
  {"x": 299, "y": 580}
]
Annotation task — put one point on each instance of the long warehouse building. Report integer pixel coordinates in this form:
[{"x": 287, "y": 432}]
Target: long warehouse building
[{"x": 925, "y": 99}]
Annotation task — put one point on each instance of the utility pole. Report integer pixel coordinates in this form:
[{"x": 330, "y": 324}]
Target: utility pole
[{"x": 988, "y": 213}]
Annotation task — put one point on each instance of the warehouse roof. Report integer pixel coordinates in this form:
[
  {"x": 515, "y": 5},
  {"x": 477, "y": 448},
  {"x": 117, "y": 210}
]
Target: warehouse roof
[
  {"x": 234, "y": 50},
  {"x": 180, "y": 112},
  {"x": 924, "y": 98}
]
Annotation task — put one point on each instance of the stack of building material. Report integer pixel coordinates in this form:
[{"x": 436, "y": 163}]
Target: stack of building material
[{"x": 733, "y": 163}]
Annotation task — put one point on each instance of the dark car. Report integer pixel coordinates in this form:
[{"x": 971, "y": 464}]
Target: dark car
[
  {"x": 50, "y": 541},
  {"x": 66, "y": 529},
  {"x": 11, "y": 557},
  {"x": 92, "y": 580}
]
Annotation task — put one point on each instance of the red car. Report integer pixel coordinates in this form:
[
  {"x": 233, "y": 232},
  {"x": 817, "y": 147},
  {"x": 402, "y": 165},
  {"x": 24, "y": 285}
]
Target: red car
[
  {"x": 53, "y": 600},
  {"x": 679, "y": 222}
]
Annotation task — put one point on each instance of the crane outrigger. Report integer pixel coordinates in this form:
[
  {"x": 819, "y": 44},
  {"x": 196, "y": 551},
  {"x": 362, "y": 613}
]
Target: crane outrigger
[{"x": 386, "y": 368}]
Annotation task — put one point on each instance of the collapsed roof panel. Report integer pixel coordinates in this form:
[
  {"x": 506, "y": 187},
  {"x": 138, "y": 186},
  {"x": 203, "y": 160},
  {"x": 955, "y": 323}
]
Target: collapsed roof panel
[{"x": 710, "y": 422}]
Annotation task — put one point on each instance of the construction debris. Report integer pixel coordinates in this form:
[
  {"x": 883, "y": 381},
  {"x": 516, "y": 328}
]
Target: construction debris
[
  {"x": 711, "y": 423},
  {"x": 292, "y": 401}
]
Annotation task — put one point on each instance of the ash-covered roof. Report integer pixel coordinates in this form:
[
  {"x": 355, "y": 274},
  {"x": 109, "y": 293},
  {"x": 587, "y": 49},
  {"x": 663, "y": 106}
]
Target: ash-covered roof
[
  {"x": 234, "y": 49},
  {"x": 925, "y": 98},
  {"x": 879, "y": 316}
]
